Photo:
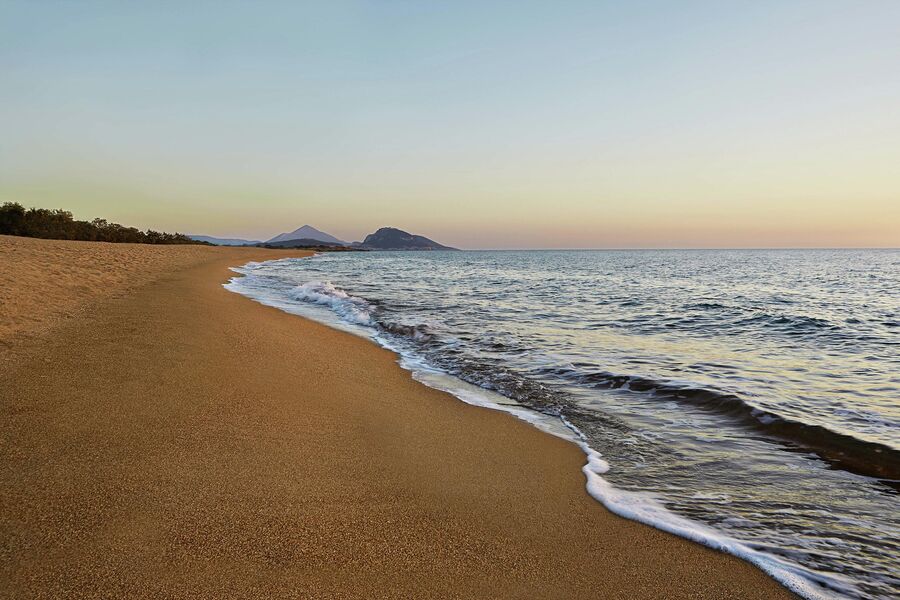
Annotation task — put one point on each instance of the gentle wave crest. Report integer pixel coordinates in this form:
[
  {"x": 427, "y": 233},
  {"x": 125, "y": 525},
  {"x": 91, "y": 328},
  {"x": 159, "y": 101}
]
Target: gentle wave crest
[
  {"x": 355, "y": 310},
  {"x": 844, "y": 451}
]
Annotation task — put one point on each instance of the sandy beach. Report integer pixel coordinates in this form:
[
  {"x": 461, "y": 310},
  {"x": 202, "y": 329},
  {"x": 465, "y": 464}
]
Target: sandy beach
[{"x": 165, "y": 438}]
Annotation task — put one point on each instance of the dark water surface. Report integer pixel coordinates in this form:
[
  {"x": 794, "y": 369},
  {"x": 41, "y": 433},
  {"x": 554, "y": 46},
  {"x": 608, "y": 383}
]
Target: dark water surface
[{"x": 755, "y": 394}]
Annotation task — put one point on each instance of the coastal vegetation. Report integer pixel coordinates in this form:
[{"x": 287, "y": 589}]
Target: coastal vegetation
[
  {"x": 59, "y": 224},
  {"x": 310, "y": 244}
]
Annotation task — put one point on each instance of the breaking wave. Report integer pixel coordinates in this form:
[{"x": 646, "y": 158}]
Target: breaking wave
[
  {"x": 844, "y": 451},
  {"x": 355, "y": 310}
]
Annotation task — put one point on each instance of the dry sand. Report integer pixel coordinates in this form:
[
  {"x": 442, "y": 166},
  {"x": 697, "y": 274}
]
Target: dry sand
[
  {"x": 175, "y": 440},
  {"x": 45, "y": 281}
]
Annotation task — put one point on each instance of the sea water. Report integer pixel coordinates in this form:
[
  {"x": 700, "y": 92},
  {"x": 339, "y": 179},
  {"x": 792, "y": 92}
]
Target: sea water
[{"x": 749, "y": 400}]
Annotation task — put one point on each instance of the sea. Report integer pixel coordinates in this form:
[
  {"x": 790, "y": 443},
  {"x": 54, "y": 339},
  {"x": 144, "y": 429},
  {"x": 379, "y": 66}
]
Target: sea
[{"x": 745, "y": 399}]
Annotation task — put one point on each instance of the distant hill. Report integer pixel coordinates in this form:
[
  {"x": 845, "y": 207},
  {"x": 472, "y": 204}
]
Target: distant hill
[
  {"x": 307, "y": 233},
  {"x": 303, "y": 243},
  {"x": 223, "y": 241},
  {"x": 389, "y": 238}
]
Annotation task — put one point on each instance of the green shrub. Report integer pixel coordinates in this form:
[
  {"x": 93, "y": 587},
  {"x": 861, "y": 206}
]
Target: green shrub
[{"x": 60, "y": 225}]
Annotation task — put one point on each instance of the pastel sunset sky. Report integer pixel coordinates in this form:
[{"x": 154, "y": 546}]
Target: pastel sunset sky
[{"x": 478, "y": 124}]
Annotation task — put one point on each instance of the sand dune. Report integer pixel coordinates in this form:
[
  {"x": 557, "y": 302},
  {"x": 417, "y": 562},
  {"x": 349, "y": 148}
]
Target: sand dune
[{"x": 45, "y": 281}]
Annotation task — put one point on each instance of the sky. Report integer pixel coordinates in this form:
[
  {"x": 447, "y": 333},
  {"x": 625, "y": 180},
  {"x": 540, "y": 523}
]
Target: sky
[{"x": 478, "y": 124}]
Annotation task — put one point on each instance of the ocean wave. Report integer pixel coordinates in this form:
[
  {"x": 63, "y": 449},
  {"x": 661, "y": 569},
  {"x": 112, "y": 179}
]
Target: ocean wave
[
  {"x": 790, "y": 324},
  {"x": 356, "y": 310},
  {"x": 838, "y": 449},
  {"x": 711, "y": 306},
  {"x": 419, "y": 332}
]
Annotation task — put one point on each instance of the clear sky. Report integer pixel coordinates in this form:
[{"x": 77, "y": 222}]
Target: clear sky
[{"x": 479, "y": 124}]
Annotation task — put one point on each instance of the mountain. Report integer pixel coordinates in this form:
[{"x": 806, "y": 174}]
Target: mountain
[
  {"x": 307, "y": 233},
  {"x": 389, "y": 238},
  {"x": 224, "y": 241}
]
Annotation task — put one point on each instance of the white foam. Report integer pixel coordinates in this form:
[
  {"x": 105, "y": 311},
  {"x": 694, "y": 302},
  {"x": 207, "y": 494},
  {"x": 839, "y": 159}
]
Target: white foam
[
  {"x": 646, "y": 509},
  {"x": 349, "y": 307}
]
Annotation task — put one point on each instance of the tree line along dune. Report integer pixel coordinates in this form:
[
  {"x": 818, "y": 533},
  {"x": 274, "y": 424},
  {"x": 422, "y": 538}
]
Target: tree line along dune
[{"x": 59, "y": 224}]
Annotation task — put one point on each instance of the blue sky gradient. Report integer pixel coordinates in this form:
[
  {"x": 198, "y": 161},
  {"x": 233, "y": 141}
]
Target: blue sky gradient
[{"x": 515, "y": 124}]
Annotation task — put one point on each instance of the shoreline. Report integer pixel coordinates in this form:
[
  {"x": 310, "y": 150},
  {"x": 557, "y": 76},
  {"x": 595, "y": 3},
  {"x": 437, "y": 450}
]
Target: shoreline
[
  {"x": 633, "y": 506},
  {"x": 190, "y": 442}
]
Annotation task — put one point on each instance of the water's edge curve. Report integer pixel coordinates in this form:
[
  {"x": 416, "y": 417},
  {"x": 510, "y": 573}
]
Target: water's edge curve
[{"x": 640, "y": 507}]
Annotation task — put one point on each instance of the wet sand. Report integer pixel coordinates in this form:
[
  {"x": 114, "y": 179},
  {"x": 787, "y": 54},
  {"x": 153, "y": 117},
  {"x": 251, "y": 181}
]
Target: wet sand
[{"x": 165, "y": 438}]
